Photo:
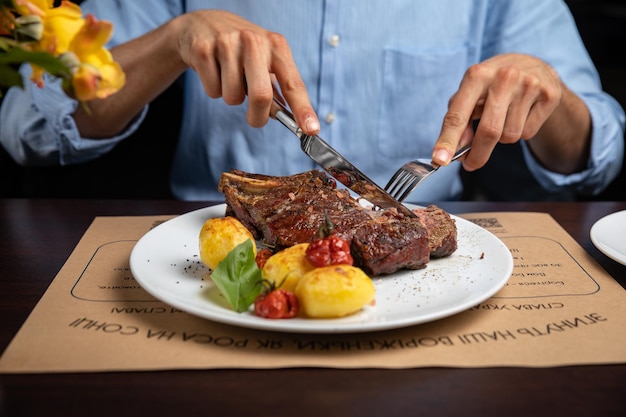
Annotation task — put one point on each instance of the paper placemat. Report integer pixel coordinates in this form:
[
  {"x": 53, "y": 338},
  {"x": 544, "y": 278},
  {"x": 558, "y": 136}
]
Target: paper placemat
[{"x": 559, "y": 308}]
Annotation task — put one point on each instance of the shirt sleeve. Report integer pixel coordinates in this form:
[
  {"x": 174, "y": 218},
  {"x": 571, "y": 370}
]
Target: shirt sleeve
[
  {"x": 130, "y": 18},
  {"x": 36, "y": 126},
  {"x": 555, "y": 39},
  {"x": 606, "y": 153}
]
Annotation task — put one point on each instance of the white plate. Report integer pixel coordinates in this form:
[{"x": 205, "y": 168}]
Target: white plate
[
  {"x": 165, "y": 262},
  {"x": 608, "y": 235}
]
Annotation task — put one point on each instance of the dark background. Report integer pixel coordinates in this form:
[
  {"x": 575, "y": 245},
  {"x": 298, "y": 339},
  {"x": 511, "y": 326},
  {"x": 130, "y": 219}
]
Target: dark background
[{"x": 139, "y": 166}]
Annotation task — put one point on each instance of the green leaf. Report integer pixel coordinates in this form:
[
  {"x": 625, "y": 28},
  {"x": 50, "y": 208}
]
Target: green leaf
[
  {"x": 9, "y": 76},
  {"x": 4, "y": 44},
  {"x": 51, "y": 64},
  {"x": 238, "y": 277}
]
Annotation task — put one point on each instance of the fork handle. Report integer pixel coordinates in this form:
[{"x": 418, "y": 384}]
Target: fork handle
[{"x": 461, "y": 151}]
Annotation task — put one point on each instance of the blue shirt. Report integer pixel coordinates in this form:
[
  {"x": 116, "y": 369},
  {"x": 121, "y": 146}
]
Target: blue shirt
[{"x": 379, "y": 75}]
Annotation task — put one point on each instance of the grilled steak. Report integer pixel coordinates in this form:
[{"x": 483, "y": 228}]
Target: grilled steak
[
  {"x": 441, "y": 230},
  {"x": 383, "y": 246},
  {"x": 284, "y": 211}
]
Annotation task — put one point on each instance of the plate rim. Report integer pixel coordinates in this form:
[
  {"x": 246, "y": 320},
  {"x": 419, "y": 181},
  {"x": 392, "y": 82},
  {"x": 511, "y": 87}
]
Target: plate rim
[
  {"x": 597, "y": 240},
  {"x": 314, "y": 326}
]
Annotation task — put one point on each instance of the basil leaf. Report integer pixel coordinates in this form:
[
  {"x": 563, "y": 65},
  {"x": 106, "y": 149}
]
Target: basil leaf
[{"x": 238, "y": 277}]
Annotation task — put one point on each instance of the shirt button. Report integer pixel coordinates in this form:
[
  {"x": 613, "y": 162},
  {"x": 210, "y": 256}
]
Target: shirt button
[
  {"x": 334, "y": 40},
  {"x": 330, "y": 117}
]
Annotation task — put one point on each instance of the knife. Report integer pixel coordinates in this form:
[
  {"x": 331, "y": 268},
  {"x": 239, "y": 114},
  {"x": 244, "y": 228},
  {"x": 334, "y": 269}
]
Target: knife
[{"x": 336, "y": 165}]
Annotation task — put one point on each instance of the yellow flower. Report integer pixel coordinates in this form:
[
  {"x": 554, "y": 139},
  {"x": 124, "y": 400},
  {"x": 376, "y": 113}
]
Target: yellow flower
[
  {"x": 84, "y": 83},
  {"x": 61, "y": 24},
  {"x": 36, "y": 7},
  {"x": 63, "y": 33},
  {"x": 98, "y": 76},
  {"x": 66, "y": 31}
]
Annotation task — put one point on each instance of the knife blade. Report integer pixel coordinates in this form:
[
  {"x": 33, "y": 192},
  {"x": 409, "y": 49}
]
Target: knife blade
[{"x": 336, "y": 165}]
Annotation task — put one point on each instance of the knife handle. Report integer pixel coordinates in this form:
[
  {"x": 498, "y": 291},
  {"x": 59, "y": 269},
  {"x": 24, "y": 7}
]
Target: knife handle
[{"x": 279, "y": 112}]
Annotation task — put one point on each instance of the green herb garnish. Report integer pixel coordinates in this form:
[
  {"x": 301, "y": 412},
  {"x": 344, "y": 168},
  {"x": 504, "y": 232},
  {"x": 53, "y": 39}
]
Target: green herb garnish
[{"x": 238, "y": 277}]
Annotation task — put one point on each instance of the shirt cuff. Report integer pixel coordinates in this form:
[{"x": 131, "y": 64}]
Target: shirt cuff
[
  {"x": 76, "y": 149},
  {"x": 605, "y": 159},
  {"x": 72, "y": 148}
]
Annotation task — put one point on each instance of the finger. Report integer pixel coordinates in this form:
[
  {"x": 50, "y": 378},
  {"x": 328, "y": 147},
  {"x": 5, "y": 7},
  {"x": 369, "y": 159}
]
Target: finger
[
  {"x": 293, "y": 87},
  {"x": 515, "y": 122},
  {"x": 506, "y": 107},
  {"x": 468, "y": 135},
  {"x": 258, "y": 79},
  {"x": 466, "y": 138},
  {"x": 537, "y": 116},
  {"x": 276, "y": 88},
  {"x": 481, "y": 150},
  {"x": 461, "y": 108},
  {"x": 209, "y": 72},
  {"x": 229, "y": 51},
  {"x": 504, "y": 115},
  {"x": 478, "y": 107},
  {"x": 518, "y": 125}
]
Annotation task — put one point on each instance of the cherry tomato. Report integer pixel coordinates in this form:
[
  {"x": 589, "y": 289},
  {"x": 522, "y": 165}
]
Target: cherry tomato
[
  {"x": 331, "y": 250},
  {"x": 277, "y": 304},
  {"x": 262, "y": 256}
]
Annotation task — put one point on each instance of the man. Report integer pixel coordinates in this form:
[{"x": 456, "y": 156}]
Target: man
[{"x": 392, "y": 81}]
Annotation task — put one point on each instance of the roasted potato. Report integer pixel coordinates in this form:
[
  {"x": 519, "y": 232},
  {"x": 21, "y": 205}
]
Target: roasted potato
[
  {"x": 219, "y": 236},
  {"x": 334, "y": 291},
  {"x": 289, "y": 264}
]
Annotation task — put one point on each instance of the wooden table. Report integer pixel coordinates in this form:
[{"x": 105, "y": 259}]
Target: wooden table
[{"x": 37, "y": 236}]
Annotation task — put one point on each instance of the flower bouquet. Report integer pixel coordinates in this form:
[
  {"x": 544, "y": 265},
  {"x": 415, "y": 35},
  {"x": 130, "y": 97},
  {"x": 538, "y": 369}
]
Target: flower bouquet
[{"x": 60, "y": 41}]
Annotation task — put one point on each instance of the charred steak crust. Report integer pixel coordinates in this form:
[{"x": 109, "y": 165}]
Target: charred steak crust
[
  {"x": 384, "y": 247},
  {"x": 284, "y": 211},
  {"x": 442, "y": 232}
]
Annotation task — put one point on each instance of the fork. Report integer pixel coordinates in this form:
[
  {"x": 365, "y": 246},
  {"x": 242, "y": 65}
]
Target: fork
[{"x": 411, "y": 174}]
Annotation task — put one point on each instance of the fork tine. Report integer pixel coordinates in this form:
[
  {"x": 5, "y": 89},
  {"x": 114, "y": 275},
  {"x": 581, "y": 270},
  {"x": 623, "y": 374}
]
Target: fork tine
[
  {"x": 411, "y": 174},
  {"x": 400, "y": 178},
  {"x": 391, "y": 184},
  {"x": 409, "y": 187},
  {"x": 407, "y": 179},
  {"x": 403, "y": 183}
]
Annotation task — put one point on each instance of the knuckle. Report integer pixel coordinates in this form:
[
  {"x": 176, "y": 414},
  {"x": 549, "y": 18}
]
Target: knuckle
[
  {"x": 293, "y": 86},
  {"x": 510, "y": 135},
  {"x": 508, "y": 73},
  {"x": 528, "y": 132},
  {"x": 250, "y": 38},
  {"x": 552, "y": 95},
  {"x": 476, "y": 72},
  {"x": 224, "y": 42},
  {"x": 199, "y": 50},
  {"x": 531, "y": 83},
  {"x": 233, "y": 98},
  {"x": 472, "y": 163},
  {"x": 255, "y": 121},
  {"x": 455, "y": 119},
  {"x": 277, "y": 40},
  {"x": 489, "y": 131},
  {"x": 260, "y": 96},
  {"x": 212, "y": 90}
]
